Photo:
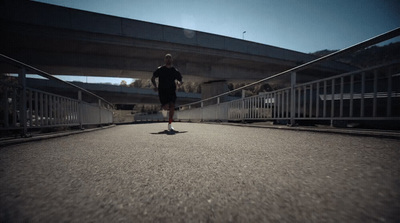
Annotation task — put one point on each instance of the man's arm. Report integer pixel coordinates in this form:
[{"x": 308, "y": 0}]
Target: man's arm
[
  {"x": 179, "y": 83},
  {"x": 153, "y": 80},
  {"x": 179, "y": 78}
]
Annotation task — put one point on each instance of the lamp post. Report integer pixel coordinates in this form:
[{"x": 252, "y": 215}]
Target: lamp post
[{"x": 243, "y": 34}]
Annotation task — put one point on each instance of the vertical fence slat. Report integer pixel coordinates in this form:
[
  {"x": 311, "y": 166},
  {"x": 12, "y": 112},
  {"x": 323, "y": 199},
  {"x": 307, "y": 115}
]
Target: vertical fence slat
[
  {"x": 341, "y": 96},
  {"x": 6, "y": 107},
  {"x": 362, "y": 94},
  {"x": 351, "y": 95},
  {"x": 65, "y": 111},
  {"x": 255, "y": 107},
  {"x": 324, "y": 103},
  {"x": 51, "y": 120},
  {"x": 41, "y": 102},
  {"x": 70, "y": 111},
  {"x": 36, "y": 109},
  {"x": 333, "y": 98},
  {"x": 317, "y": 102},
  {"x": 298, "y": 102},
  {"x": 389, "y": 92},
  {"x": 64, "y": 118},
  {"x": 278, "y": 106},
  {"x": 252, "y": 107},
  {"x": 311, "y": 101},
  {"x": 287, "y": 104},
  {"x": 30, "y": 108},
  {"x": 305, "y": 101},
  {"x": 282, "y": 104},
  {"x": 270, "y": 105},
  {"x": 46, "y": 108},
  {"x": 23, "y": 102},
  {"x": 263, "y": 107},
  {"x": 258, "y": 114},
  {"x": 57, "y": 110},
  {"x": 14, "y": 104},
  {"x": 374, "y": 102}
]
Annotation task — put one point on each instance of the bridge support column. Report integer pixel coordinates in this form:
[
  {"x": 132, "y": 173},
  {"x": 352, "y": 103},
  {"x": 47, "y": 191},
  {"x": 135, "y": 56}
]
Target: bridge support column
[{"x": 213, "y": 88}]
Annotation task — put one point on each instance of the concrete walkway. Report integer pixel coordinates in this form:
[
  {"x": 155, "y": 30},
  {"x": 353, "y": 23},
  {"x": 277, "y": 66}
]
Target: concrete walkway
[{"x": 203, "y": 173}]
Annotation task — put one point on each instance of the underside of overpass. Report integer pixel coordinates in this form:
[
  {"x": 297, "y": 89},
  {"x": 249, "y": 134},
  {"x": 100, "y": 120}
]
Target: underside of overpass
[{"x": 66, "y": 41}]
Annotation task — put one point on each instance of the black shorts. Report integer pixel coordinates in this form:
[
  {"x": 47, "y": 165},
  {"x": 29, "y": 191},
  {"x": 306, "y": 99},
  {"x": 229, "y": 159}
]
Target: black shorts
[{"x": 167, "y": 96}]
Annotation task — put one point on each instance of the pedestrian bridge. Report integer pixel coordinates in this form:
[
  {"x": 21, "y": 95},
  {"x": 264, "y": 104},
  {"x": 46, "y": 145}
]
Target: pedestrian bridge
[
  {"x": 206, "y": 172},
  {"x": 369, "y": 95}
]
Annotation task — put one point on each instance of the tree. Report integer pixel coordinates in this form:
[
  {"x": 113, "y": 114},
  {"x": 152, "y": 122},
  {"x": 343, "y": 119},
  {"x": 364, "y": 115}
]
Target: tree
[
  {"x": 123, "y": 83},
  {"x": 137, "y": 83}
]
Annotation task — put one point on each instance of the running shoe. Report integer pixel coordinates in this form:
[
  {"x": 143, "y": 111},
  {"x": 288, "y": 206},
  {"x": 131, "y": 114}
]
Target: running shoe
[{"x": 170, "y": 128}]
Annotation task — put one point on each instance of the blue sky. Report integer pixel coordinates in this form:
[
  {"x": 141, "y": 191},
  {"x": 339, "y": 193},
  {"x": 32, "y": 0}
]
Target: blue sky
[{"x": 301, "y": 25}]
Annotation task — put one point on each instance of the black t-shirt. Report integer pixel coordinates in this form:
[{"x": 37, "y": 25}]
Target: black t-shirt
[{"x": 167, "y": 76}]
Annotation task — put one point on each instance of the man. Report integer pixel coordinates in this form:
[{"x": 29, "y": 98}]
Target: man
[{"x": 167, "y": 76}]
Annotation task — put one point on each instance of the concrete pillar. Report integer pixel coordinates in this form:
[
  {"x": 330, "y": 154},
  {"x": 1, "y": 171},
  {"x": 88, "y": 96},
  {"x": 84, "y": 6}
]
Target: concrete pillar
[{"x": 213, "y": 88}]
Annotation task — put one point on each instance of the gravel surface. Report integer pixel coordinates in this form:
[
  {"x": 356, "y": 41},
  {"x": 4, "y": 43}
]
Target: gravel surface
[{"x": 203, "y": 173}]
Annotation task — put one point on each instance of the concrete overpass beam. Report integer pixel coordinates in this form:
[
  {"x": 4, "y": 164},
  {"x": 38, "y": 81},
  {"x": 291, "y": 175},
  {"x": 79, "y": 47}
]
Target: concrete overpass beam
[{"x": 212, "y": 88}]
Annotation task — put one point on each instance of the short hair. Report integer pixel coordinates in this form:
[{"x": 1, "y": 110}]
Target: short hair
[{"x": 168, "y": 55}]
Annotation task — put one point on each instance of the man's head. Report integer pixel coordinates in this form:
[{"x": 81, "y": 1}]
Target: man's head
[{"x": 168, "y": 59}]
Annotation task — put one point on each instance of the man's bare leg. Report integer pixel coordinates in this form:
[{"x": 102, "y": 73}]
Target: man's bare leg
[
  {"x": 171, "y": 112},
  {"x": 165, "y": 107}
]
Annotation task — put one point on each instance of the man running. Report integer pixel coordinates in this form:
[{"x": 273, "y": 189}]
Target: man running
[{"x": 167, "y": 74}]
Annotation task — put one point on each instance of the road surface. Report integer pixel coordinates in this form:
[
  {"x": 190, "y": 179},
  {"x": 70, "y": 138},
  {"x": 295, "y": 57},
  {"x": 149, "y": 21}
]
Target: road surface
[{"x": 203, "y": 173}]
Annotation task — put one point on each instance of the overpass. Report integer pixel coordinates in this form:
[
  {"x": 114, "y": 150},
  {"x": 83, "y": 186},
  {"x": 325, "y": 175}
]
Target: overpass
[{"x": 67, "y": 41}]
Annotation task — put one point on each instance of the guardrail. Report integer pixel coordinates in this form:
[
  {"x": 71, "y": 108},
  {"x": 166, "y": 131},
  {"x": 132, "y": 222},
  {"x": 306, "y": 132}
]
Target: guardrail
[
  {"x": 368, "y": 94},
  {"x": 24, "y": 108}
]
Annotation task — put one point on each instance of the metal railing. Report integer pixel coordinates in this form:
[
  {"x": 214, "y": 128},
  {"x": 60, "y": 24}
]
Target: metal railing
[
  {"x": 368, "y": 94},
  {"x": 24, "y": 108}
]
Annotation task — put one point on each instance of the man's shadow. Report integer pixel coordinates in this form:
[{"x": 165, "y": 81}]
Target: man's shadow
[{"x": 166, "y": 132}]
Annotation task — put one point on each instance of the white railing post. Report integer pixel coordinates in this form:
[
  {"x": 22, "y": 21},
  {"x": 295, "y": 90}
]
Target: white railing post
[
  {"x": 99, "y": 111},
  {"x": 80, "y": 107},
  {"x": 22, "y": 107},
  {"x": 5, "y": 106},
  {"x": 217, "y": 112},
  {"x": 202, "y": 116},
  {"x": 242, "y": 110},
  {"x": 292, "y": 98}
]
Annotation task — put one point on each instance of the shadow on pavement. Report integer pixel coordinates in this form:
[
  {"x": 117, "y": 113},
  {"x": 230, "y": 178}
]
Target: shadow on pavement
[{"x": 166, "y": 132}]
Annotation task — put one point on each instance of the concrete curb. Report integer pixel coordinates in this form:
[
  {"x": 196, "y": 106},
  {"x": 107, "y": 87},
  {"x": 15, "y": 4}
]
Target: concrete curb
[
  {"x": 49, "y": 136},
  {"x": 333, "y": 130}
]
